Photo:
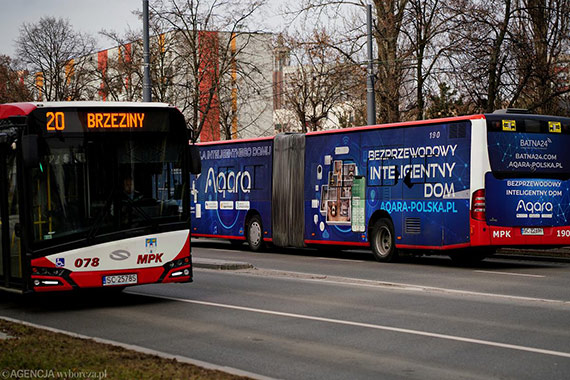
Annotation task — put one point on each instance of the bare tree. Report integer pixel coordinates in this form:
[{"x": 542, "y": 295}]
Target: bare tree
[
  {"x": 511, "y": 55},
  {"x": 203, "y": 58},
  {"x": 58, "y": 55},
  {"x": 121, "y": 78},
  {"x": 388, "y": 31},
  {"x": 12, "y": 86},
  {"x": 482, "y": 61},
  {"x": 347, "y": 19},
  {"x": 542, "y": 34},
  {"x": 426, "y": 29},
  {"x": 320, "y": 80}
]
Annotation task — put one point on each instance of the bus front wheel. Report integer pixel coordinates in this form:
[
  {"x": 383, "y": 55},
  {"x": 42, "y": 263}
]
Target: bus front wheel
[
  {"x": 382, "y": 240},
  {"x": 255, "y": 233}
]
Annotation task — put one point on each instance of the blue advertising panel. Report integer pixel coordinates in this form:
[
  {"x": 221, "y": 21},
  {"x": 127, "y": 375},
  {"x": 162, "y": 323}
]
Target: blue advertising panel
[
  {"x": 527, "y": 202},
  {"x": 418, "y": 174},
  {"x": 235, "y": 178},
  {"x": 516, "y": 152}
]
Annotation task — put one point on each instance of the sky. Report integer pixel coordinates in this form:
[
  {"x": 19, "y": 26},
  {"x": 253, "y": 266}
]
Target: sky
[{"x": 87, "y": 16}]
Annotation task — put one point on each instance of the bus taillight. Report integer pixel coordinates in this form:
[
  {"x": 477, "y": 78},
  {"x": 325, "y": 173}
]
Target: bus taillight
[{"x": 478, "y": 205}]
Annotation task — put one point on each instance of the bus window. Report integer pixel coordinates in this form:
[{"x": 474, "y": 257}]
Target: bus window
[{"x": 58, "y": 196}]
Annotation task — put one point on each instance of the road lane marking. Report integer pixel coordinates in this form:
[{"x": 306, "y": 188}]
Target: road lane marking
[
  {"x": 345, "y": 260},
  {"x": 510, "y": 273},
  {"x": 364, "y": 325}
]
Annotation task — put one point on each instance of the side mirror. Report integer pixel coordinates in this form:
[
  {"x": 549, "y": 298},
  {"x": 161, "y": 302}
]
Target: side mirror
[
  {"x": 195, "y": 161},
  {"x": 30, "y": 150}
]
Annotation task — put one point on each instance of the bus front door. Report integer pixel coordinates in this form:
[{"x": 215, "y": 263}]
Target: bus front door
[{"x": 10, "y": 261}]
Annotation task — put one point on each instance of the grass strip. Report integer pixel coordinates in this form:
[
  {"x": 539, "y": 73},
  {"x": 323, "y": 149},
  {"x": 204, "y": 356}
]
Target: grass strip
[{"x": 31, "y": 353}]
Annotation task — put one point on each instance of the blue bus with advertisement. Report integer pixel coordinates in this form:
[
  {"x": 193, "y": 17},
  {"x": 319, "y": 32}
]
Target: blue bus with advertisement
[{"x": 463, "y": 185}]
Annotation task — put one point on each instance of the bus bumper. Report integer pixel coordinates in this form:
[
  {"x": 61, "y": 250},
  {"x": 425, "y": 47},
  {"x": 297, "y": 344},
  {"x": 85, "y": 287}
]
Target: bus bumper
[
  {"x": 51, "y": 279},
  {"x": 485, "y": 235}
]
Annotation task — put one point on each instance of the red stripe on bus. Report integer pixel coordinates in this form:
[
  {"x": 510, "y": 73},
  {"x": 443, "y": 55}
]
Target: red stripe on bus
[
  {"x": 346, "y": 243},
  {"x": 235, "y": 141},
  {"x": 395, "y": 125},
  {"x": 220, "y": 236},
  {"x": 434, "y": 247}
]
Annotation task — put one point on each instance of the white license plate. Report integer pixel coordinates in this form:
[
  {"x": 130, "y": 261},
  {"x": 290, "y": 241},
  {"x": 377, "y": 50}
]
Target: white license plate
[
  {"x": 120, "y": 279},
  {"x": 532, "y": 231}
]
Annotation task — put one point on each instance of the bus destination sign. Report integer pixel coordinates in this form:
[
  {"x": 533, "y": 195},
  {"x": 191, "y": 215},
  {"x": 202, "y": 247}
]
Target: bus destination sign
[
  {"x": 65, "y": 121},
  {"x": 115, "y": 120}
]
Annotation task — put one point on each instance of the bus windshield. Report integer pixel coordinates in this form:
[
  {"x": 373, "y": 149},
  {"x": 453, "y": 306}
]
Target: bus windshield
[
  {"x": 529, "y": 145},
  {"x": 93, "y": 184}
]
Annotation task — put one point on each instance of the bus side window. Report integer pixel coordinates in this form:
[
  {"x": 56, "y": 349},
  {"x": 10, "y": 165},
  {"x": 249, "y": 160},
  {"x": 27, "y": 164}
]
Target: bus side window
[
  {"x": 381, "y": 173},
  {"x": 255, "y": 171},
  {"x": 223, "y": 176}
]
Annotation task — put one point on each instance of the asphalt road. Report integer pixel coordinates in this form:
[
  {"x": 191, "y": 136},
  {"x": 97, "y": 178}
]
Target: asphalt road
[{"x": 307, "y": 314}]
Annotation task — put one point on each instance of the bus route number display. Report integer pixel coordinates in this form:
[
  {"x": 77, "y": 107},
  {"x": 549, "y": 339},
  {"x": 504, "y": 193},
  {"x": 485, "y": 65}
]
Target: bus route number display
[{"x": 55, "y": 121}]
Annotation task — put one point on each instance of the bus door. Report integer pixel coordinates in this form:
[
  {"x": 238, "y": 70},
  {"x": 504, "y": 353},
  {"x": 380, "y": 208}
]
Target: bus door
[{"x": 11, "y": 259}]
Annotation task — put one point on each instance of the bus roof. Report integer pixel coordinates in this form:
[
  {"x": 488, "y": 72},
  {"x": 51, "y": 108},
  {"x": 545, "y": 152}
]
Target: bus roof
[
  {"x": 235, "y": 141},
  {"x": 399, "y": 124},
  {"x": 23, "y": 109}
]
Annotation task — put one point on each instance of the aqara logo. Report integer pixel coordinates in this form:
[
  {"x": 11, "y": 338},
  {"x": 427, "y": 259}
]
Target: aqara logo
[
  {"x": 229, "y": 181},
  {"x": 534, "y": 207}
]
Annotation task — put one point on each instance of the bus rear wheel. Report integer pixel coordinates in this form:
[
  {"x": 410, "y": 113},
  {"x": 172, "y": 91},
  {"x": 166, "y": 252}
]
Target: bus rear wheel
[
  {"x": 382, "y": 240},
  {"x": 255, "y": 233}
]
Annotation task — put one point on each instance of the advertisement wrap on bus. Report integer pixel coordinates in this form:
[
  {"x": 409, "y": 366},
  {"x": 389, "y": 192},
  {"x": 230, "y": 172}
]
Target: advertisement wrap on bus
[
  {"x": 419, "y": 172},
  {"x": 234, "y": 180},
  {"x": 463, "y": 185}
]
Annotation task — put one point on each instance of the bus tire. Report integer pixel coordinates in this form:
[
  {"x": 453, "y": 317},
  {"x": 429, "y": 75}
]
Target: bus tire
[
  {"x": 382, "y": 240},
  {"x": 254, "y": 236}
]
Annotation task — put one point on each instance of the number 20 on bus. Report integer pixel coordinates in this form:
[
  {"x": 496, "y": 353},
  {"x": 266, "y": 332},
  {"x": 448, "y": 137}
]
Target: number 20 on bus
[{"x": 55, "y": 121}]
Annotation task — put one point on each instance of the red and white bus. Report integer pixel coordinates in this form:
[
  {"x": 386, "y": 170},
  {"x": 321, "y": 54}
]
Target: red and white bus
[{"x": 93, "y": 195}]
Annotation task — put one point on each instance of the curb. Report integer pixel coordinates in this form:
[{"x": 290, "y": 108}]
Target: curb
[
  {"x": 220, "y": 264},
  {"x": 147, "y": 351}
]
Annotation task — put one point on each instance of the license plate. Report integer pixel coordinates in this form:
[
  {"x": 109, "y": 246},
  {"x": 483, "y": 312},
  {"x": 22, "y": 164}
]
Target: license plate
[
  {"x": 120, "y": 279},
  {"x": 536, "y": 231}
]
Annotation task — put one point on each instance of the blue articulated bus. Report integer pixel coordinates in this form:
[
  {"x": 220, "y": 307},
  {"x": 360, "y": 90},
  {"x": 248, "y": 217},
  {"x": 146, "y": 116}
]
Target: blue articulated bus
[{"x": 463, "y": 185}]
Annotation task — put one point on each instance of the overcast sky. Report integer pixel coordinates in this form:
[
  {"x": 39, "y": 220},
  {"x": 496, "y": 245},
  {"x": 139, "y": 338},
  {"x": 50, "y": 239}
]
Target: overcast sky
[{"x": 88, "y": 16}]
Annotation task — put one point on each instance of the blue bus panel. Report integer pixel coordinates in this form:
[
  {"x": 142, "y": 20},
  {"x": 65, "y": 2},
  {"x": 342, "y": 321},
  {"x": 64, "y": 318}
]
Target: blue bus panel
[
  {"x": 517, "y": 153},
  {"x": 418, "y": 174},
  {"x": 235, "y": 180},
  {"x": 527, "y": 202}
]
